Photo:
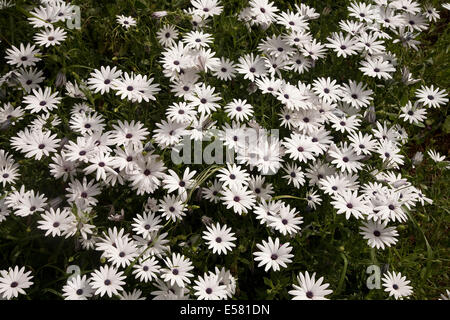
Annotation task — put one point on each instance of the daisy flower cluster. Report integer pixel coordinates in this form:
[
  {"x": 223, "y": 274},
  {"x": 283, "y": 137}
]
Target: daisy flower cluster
[{"x": 181, "y": 231}]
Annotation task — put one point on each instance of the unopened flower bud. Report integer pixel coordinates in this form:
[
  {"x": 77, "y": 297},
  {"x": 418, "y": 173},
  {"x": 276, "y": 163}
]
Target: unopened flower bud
[
  {"x": 417, "y": 158},
  {"x": 159, "y": 14},
  {"x": 60, "y": 79},
  {"x": 63, "y": 143},
  {"x": 370, "y": 115},
  {"x": 326, "y": 11},
  {"x": 206, "y": 220},
  {"x": 252, "y": 88}
]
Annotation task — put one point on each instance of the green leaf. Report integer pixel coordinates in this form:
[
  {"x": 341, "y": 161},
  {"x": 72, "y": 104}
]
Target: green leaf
[
  {"x": 268, "y": 282},
  {"x": 446, "y": 126},
  {"x": 420, "y": 124},
  {"x": 243, "y": 260}
]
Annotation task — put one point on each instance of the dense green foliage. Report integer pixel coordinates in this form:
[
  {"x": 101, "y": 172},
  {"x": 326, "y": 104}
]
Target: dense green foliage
[{"x": 328, "y": 244}]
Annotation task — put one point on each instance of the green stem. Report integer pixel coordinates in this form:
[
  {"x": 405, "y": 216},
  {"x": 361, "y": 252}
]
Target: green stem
[{"x": 344, "y": 271}]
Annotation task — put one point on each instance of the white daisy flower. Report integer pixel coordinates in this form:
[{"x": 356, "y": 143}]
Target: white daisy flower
[
  {"x": 309, "y": 288},
  {"x": 273, "y": 255},
  {"x": 219, "y": 238},
  {"x": 396, "y": 285}
]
